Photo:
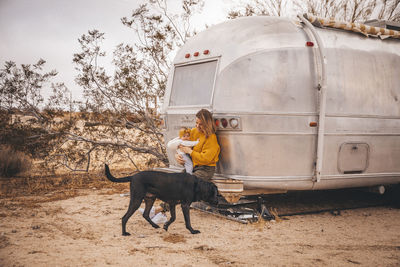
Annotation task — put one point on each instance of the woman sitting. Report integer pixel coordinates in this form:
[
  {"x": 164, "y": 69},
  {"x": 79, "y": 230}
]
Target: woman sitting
[{"x": 205, "y": 154}]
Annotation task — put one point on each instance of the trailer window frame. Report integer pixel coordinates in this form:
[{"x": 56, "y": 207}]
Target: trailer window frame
[{"x": 194, "y": 62}]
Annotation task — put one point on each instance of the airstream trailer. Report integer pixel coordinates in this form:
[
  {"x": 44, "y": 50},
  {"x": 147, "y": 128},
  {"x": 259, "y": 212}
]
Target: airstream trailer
[{"x": 298, "y": 107}]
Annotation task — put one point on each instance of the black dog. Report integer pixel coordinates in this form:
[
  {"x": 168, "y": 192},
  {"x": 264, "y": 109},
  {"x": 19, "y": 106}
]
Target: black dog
[{"x": 172, "y": 188}]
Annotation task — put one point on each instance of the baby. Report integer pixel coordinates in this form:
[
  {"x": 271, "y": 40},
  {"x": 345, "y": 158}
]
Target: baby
[{"x": 184, "y": 140}]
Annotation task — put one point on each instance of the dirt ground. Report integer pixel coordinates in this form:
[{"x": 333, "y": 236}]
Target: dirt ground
[{"x": 86, "y": 231}]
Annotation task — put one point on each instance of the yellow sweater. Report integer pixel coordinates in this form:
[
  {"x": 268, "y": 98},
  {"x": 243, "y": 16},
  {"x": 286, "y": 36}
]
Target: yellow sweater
[{"x": 206, "y": 152}]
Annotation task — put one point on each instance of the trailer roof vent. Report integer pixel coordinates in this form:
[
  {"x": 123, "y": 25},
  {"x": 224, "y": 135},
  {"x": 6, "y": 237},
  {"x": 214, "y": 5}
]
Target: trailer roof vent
[{"x": 390, "y": 25}]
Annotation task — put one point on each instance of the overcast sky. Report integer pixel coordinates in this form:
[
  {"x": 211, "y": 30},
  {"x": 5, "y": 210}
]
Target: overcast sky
[{"x": 49, "y": 29}]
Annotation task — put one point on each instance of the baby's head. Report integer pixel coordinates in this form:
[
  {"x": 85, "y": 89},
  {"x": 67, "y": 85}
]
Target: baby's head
[{"x": 184, "y": 134}]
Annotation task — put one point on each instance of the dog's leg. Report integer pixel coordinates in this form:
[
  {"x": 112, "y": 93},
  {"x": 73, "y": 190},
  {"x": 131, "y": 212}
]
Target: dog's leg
[
  {"x": 134, "y": 204},
  {"x": 149, "y": 204},
  {"x": 173, "y": 215},
  {"x": 186, "y": 215}
]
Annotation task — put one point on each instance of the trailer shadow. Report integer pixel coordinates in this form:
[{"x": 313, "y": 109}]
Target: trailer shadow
[{"x": 251, "y": 208}]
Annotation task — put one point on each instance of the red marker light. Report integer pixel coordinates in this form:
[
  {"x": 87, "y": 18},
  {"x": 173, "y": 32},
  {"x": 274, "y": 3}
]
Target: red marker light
[
  {"x": 187, "y": 56},
  {"x": 196, "y": 54},
  {"x": 224, "y": 123},
  {"x": 313, "y": 124},
  {"x": 206, "y": 52},
  {"x": 311, "y": 44},
  {"x": 216, "y": 121}
]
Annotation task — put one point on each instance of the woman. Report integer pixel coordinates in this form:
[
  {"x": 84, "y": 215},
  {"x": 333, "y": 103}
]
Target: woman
[{"x": 205, "y": 154}]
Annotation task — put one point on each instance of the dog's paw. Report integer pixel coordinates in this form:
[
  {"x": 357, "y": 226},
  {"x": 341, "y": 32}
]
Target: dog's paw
[
  {"x": 195, "y": 232},
  {"x": 165, "y": 227},
  {"x": 126, "y": 234},
  {"x": 156, "y": 226}
]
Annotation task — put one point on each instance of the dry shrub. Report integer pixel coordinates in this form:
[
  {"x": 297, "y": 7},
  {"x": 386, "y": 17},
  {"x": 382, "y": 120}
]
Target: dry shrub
[
  {"x": 13, "y": 162},
  {"x": 274, "y": 212},
  {"x": 51, "y": 185},
  {"x": 259, "y": 223}
]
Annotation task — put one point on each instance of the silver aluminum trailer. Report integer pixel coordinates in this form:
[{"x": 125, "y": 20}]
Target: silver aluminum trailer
[{"x": 298, "y": 107}]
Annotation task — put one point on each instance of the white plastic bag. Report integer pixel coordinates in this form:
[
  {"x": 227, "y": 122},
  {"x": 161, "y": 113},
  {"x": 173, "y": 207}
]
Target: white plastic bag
[
  {"x": 159, "y": 218},
  {"x": 156, "y": 218}
]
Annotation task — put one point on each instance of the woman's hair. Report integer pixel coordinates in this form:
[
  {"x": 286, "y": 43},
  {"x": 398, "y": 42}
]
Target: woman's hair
[{"x": 207, "y": 122}]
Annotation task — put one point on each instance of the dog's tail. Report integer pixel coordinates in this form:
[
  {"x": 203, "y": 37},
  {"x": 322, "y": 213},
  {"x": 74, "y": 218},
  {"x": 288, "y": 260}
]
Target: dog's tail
[{"x": 116, "y": 180}]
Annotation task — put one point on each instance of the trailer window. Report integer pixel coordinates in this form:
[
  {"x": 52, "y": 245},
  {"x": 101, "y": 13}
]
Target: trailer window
[{"x": 193, "y": 84}]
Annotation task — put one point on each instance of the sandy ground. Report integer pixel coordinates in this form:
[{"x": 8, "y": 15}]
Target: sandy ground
[{"x": 86, "y": 231}]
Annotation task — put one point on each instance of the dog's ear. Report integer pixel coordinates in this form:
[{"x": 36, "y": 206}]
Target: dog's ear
[{"x": 212, "y": 193}]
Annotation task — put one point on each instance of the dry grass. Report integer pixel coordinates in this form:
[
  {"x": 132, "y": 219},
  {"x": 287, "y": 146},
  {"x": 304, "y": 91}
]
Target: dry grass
[
  {"x": 259, "y": 223},
  {"x": 274, "y": 212},
  {"x": 56, "y": 187}
]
